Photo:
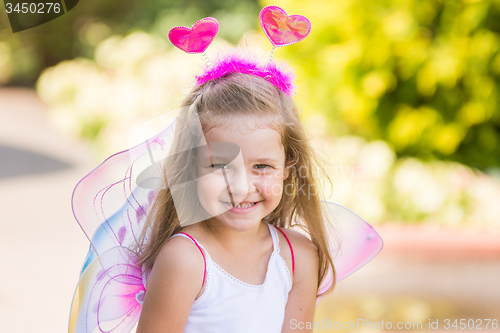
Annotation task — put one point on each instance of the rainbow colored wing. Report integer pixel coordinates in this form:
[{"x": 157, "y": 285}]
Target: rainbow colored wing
[
  {"x": 109, "y": 295},
  {"x": 111, "y": 208}
]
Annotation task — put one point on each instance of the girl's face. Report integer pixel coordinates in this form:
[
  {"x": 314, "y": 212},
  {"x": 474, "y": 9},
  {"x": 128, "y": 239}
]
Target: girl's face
[{"x": 240, "y": 191}]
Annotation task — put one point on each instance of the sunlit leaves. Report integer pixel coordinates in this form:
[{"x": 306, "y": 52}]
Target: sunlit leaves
[{"x": 369, "y": 60}]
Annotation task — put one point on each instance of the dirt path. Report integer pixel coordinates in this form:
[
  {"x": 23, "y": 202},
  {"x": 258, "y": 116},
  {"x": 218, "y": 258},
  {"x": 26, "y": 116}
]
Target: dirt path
[{"x": 41, "y": 245}]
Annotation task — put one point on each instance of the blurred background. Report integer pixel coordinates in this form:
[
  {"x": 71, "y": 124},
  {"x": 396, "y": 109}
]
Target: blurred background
[{"x": 401, "y": 98}]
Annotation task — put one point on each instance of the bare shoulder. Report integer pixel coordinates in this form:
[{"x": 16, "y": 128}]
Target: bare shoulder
[
  {"x": 305, "y": 254},
  {"x": 301, "y": 244},
  {"x": 179, "y": 255},
  {"x": 172, "y": 286}
]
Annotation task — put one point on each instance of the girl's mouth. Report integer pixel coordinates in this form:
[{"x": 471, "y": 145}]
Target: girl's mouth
[{"x": 241, "y": 207}]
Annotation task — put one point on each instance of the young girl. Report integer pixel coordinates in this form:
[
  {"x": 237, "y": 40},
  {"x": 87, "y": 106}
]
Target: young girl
[
  {"x": 242, "y": 270},
  {"x": 208, "y": 245}
]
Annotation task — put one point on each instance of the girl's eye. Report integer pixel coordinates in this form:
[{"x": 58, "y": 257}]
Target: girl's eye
[
  {"x": 262, "y": 166},
  {"x": 219, "y": 166}
]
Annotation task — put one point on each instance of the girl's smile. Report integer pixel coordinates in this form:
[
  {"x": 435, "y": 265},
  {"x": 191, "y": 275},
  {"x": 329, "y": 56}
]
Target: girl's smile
[{"x": 242, "y": 207}]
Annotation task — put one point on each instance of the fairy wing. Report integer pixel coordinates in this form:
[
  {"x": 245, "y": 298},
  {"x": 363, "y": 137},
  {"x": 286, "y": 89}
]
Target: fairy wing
[
  {"x": 352, "y": 241},
  {"x": 109, "y": 295},
  {"x": 110, "y": 206},
  {"x": 109, "y": 203}
]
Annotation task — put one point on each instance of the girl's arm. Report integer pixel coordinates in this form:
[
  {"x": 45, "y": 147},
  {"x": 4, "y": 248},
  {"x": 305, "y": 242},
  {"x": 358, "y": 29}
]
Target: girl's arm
[
  {"x": 302, "y": 298},
  {"x": 172, "y": 286}
]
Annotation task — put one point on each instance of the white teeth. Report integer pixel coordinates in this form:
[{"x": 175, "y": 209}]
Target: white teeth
[{"x": 241, "y": 205}]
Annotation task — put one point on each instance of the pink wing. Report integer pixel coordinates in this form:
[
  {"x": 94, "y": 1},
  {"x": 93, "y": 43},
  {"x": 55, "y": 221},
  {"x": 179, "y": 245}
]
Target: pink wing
[
  {"x": 109, "y": 295},
  {"x": 353, "y": 242},
  {"x": 111, "y": 202}
]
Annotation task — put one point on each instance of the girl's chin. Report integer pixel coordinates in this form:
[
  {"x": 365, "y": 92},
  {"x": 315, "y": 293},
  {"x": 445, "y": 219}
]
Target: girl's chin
[{"x": 239, "y": 225}]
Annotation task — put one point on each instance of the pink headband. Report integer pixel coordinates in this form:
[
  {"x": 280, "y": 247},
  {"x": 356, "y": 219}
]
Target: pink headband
[
  {"x": 236, "y": 63},
  {"x": 281, "y": 29}
]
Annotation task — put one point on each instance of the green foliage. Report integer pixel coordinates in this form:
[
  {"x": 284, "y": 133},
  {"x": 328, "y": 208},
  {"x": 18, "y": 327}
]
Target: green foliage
[{"x": 421, "y": 75}]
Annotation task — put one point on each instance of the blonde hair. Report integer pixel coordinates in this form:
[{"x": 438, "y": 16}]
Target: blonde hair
[{"x": 211, "y": 104}]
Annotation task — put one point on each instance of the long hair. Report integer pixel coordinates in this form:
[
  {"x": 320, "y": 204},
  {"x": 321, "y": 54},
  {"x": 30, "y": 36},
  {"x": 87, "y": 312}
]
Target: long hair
[{"x": 211, "y": 104}]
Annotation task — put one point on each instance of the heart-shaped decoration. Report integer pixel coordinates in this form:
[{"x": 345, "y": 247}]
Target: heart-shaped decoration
[
  {"x": 283, "y": 29},
  {"x": 197, "y": 38}
]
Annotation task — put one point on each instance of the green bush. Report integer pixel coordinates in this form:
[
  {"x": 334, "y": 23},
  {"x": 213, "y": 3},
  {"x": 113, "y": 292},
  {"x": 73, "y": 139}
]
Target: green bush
[{"x": 420, "y": 75}]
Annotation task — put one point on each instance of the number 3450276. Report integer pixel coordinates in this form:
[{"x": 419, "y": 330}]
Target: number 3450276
[
  {"x": 471, "y": 324},
  {"x": 38, "y": 8}
]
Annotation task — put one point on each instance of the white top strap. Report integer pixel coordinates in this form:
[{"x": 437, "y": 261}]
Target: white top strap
[{"x": 274, "y": 235}]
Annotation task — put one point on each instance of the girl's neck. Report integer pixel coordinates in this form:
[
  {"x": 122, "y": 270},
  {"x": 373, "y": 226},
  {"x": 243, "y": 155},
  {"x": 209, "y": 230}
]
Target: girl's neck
[{"x": 232, "y": 241}]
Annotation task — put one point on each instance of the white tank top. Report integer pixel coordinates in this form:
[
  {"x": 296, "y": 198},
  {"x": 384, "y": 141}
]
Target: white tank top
[{"x": 233, "y": 306}]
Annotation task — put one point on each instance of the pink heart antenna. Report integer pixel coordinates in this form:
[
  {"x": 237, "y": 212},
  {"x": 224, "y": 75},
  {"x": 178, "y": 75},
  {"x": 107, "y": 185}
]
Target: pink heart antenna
[
  {"x": 197, "y": 38},
  {"x": 282, "y": 29}
]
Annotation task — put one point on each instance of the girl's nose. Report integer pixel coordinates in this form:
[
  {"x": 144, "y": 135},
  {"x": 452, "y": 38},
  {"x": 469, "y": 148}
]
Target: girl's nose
[{"x": 240, "y": 184}]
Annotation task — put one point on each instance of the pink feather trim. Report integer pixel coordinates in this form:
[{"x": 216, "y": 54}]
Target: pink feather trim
[{"x": 235, "y": 63}]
